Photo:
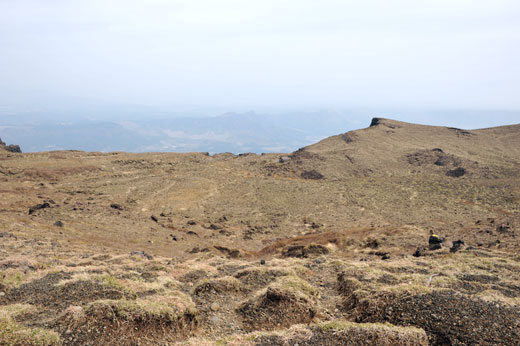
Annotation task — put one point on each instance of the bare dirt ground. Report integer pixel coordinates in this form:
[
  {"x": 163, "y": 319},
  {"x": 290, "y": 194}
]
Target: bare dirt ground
[{"x": 328, "y": 245}]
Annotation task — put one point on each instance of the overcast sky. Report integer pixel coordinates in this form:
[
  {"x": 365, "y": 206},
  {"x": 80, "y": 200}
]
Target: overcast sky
[{"x": 249, "y": 54}]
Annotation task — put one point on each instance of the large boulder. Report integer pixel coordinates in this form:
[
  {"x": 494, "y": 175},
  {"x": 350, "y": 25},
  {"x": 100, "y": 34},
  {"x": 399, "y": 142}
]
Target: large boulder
[{"x": 11, "y": 148}]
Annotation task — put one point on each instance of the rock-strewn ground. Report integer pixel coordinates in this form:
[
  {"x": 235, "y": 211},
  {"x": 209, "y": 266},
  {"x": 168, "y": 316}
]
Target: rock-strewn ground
[{"x": 329, "y": 245}]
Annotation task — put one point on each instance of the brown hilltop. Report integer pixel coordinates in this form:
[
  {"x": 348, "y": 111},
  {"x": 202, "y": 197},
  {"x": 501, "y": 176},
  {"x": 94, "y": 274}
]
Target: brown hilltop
[
  {"x": 306, "y": 247},
  {"x": 387, "y": 143}
]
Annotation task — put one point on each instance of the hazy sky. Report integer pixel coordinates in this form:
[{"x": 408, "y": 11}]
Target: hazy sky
[{"x": 249, "y": 54}]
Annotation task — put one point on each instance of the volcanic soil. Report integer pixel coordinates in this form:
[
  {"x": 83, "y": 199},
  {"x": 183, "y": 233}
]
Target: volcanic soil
[{"x": 396, "y": 234}]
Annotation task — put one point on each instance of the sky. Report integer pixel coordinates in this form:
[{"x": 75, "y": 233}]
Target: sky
[{"x": 236, "y": 55}]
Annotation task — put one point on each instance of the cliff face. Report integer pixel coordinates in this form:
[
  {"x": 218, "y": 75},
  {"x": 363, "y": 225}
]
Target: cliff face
[{"x": 11, "y": 148}]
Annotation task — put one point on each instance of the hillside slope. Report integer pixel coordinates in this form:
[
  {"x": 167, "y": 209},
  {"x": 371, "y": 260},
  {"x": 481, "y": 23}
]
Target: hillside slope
[
  {"x": 319, "y": 246},
  {"x": 388, "y": 145}
]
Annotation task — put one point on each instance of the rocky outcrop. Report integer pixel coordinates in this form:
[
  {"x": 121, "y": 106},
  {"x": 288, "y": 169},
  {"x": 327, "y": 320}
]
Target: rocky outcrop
[{"x": 11, "y": 148}]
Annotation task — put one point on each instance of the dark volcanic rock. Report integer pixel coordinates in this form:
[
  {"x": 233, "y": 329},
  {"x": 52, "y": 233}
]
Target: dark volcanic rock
[
  {"x": 47, "y": 293},
  {"x": 434, "y": 156},
  {"x": 301, "y": 155},
  {"x": 457, "y": 245},
  {"x": 375, "y": 122},
  {"x": 345, "y": 333},
  {"x": 116, "y": 206},
  {"x": 419, "y": 252},
  {"x": 314, "y": 175},
  {"x": 11, "y": 148},
  {"x": 457, "y": 172},
  {"x": 504, "y": 227},
  {"x": 38, "y": 207},
  {"x": 450, "y": 318},
  {"x": 445, "y": 161}
]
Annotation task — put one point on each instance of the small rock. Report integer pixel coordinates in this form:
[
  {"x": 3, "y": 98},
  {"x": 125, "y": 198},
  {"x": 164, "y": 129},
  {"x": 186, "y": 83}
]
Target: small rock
[
  {"x": 2, "y": 294},
  {"x": 262, "y": 262},
  {"x": 372, "y": 243},
  {"x": 457, "y": 172},
  {"x": 154, "y": 218},
  {"x": 58, "y": 224},
  {"x": 116, "y": 206},
  {"x": 502, "y": 228},
  {"x": 38, "y": 207},
  {"x": 419, "y": 252},
  {"x": 215, "y": 307},
  {"x": 456, "y": 245}
]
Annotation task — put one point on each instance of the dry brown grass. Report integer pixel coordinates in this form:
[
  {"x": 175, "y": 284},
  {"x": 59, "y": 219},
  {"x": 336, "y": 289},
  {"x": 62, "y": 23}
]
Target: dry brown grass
[
  {"x": 14, "y": 334},
  {"x": 372, "y": 201},
  {"x": 56, "y": 173}
]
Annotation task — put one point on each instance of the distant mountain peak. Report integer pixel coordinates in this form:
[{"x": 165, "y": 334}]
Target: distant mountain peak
[{"x": 388, "y": 122}]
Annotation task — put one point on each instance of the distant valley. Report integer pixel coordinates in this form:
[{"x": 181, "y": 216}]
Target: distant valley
[{"x": 147, "y": 131}]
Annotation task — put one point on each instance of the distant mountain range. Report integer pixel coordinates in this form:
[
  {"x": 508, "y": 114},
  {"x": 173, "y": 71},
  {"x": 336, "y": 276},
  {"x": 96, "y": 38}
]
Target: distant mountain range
[{"x": 229, "y": 132}]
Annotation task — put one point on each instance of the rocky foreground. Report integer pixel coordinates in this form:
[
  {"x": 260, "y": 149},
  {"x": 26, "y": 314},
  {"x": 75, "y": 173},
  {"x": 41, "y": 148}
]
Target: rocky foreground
[{"x": 398, "y": 234}]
